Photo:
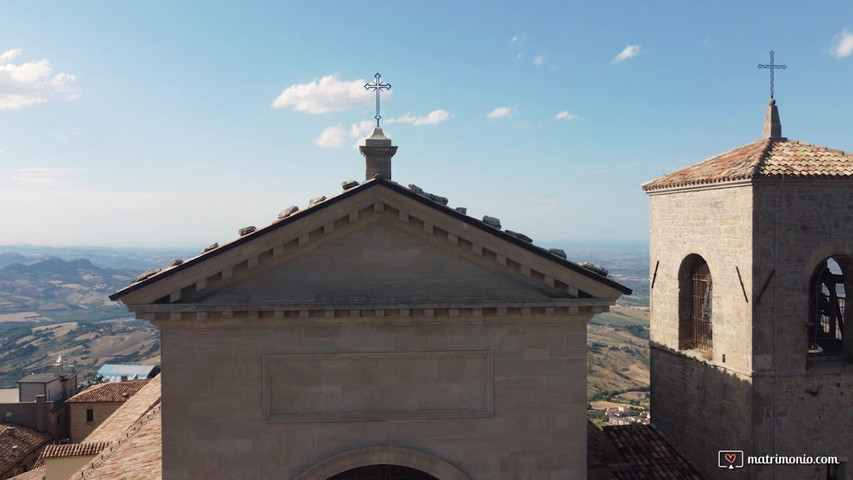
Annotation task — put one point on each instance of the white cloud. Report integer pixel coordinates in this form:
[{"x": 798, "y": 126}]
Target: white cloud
[
  {"x": 842, "y": 44},
  {"x": 518, "y": 40},
  {"x": 336, "y": 136},
  {"x": 432, "y": 118},
  {"x": 361, "y": 129},
  {"x": 565, "y": 115},
  {"x": 41, "y": 176},
  {"x": 500, "y": 112},
  {"x": 329, "y": 94},
  {"x": 10, "y": 55},
  {"x": 630, "y": 51},
  {"x": 332, "y": 137},
  {"x": 538, "y": 60},
  {"x": 32, "y": 83}
]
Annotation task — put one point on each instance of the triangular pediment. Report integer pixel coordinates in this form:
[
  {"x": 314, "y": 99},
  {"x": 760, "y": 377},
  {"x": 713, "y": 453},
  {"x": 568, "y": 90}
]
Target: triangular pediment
[
  {"x": 377, "y": 244},
  {"x": 382, "y": 261}
]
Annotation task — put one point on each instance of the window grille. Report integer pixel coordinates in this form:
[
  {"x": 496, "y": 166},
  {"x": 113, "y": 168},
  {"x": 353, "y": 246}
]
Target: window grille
[{"x": 701, "y": 336}]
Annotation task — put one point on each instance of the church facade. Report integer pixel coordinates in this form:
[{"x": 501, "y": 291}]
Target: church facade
[
  {"x": 751, "y": 259},
  {"x": 377, "y": 329}
]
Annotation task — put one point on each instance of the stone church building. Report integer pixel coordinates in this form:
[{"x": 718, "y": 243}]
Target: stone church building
[
  {"x": 751, "y": 259},
  {"x": 378, "y": 330}
]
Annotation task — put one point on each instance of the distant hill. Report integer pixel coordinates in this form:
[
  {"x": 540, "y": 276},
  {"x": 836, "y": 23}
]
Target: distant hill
[
  {"x": 8, "y": 258},
  {"x": 84, "y": 345},
  {"x": 137, "y": 259},
  {"x": 54, "y": 284}
]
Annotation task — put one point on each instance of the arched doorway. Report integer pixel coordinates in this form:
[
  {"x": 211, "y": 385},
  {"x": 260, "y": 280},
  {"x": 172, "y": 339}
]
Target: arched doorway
[
  {"x": 383, "y": 472},
  {"x": 402, "y": 461}
]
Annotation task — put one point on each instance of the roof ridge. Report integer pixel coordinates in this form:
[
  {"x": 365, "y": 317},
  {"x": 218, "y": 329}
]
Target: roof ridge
[
  {"x": 435, "y": 201},
  {"x": 762, "y": 157}
]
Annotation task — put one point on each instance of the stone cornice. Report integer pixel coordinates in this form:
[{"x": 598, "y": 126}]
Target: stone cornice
[{"x": 385, "y": 313}]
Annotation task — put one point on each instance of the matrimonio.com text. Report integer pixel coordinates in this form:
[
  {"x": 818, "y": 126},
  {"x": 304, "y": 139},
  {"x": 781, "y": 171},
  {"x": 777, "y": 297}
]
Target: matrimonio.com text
[{"x": 733, "y": 459}]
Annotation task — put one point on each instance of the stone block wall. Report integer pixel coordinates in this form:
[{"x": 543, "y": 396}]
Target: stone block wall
[
  {"x": 798, "y": 224},
  {"x": 534, "y": 425},
  {"x": 767, "y": 398},
  {"x": 700, "y": 409},
  {"x": 715, "y": 224},
  {"x": 79, "y": 428},
  {"x": 813, "y": 418}
]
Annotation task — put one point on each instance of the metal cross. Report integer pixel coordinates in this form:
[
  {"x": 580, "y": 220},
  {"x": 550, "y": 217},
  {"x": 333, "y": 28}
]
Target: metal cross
[
  {"x": 772, "y": 67},
  {"x": 378, "y": 86}
]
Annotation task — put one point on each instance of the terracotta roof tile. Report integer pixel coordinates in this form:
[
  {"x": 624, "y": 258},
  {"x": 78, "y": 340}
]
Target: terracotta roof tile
[
  {"x": 136, "y": 456},
  {"x": 73, "y": 449},
  {"x": 131, "y": 438},
  {"x": 37, "y": 473},
  {"x": 117, "y": 392},
  {"x": 26, "y": 439},
  {"x": 122, "y": 419},
  {"x": 764, "y": 158},
  {"x": 645, "y": 454}
]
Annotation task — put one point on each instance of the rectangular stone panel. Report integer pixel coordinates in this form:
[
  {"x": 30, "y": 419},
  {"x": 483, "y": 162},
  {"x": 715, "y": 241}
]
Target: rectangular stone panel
[{"x": 378, "y": 386}]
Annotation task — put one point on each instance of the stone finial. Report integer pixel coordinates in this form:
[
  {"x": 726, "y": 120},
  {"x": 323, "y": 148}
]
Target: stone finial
[
  {"x": 288, "y": 211},
  {"x": 377, "y": 151},
  {"x": 772, "y": 125},
  {"x": 492, "y": 221}
]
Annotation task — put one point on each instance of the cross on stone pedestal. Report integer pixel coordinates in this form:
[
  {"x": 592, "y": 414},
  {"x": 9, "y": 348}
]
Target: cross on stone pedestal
[
  {"x": 378, "y": 86},
  {"x": 772, "y": 67}
]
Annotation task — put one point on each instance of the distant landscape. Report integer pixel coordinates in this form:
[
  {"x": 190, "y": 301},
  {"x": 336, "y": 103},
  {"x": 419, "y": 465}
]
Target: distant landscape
[{"x": 54, "y": 301}]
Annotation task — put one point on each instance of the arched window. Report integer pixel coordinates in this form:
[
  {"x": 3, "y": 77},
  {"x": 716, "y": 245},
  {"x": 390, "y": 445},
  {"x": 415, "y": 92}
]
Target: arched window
[
  {"x": 695, "y": 295},
  {"x": 827, "y": 312}
]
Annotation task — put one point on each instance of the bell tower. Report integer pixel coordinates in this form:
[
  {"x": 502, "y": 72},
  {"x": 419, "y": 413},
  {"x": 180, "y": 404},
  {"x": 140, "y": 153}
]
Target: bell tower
[{"x": 751, "y": 349}]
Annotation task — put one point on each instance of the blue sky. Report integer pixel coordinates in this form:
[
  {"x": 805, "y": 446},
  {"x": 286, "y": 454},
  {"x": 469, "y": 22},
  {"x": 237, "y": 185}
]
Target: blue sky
[{"x": 176, "y": 123}]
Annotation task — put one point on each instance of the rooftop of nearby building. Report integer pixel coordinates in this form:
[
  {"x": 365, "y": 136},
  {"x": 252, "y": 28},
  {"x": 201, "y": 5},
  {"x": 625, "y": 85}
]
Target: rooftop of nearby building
[
  {"x": 115, "y": 373},
  {"x": 38, "y": 473},
  {"x": 773, "y": 155},
  {"x": 73, "y": 450},
  {"x": 145, "y": 400},
  {"x": 127, "y": 446},
  {"x": 17, "y": 442},
  {"x": 116, "y": 392},
  {"x": 40, "y": 378},
  {"x": 633, "y": 452},
  {"x": 137, "y": 455},
  {"x": 133, "y": 433}
]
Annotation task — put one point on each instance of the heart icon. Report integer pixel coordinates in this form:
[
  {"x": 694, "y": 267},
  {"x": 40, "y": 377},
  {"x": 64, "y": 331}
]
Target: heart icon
[{"x": 731, "y": 457}]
